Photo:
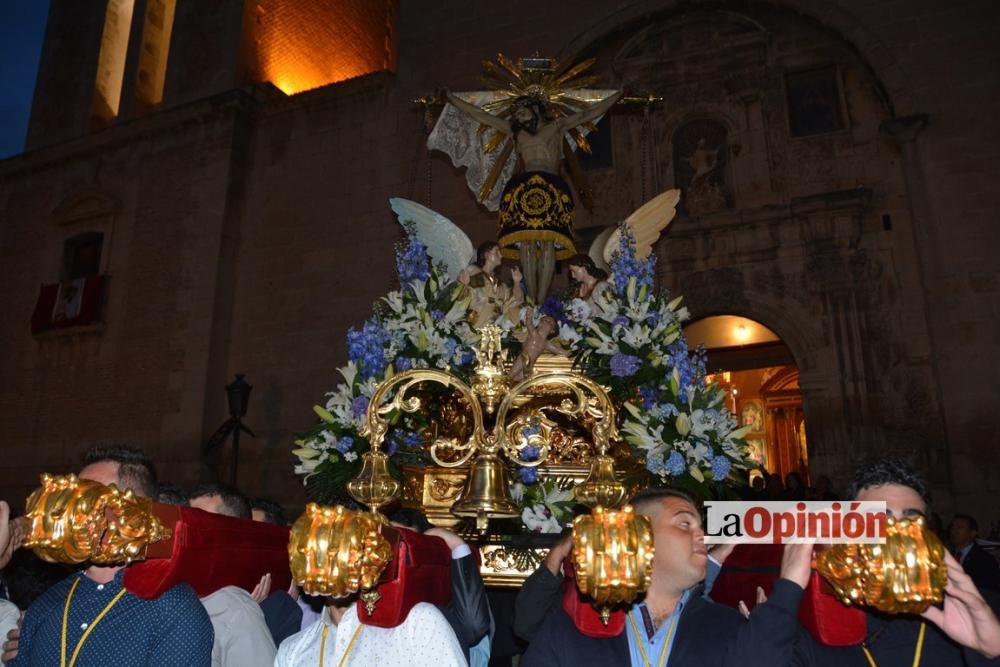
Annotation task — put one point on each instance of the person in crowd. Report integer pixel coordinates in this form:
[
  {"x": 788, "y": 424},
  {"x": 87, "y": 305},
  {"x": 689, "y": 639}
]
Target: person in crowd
[
  {"x": 774, "y": 489},
  {"x": 89, "y": 618},
  {"x": 219, "y": 498},
  {"x": 794, "y": 488},
  {"x": 282, "y": 609},
  {"x": 242, "y": 636},
  {"x": 977, "y": 563},
  {"x": 10, "y": 537},
  {"x": 468, "y": 612},
  {"x": 424, "y": 639},
  {"x": 267, "y": 511},
  {"x": 168, "y": 494},
  {"x": 823, "y": 490},
  {"x": 673, "y": 623},
  {"x": 965, "y": 631}
]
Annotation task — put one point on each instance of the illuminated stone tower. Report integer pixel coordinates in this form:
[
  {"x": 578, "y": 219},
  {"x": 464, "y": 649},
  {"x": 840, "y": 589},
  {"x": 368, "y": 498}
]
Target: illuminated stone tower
[{"x": 99, "y": 68}]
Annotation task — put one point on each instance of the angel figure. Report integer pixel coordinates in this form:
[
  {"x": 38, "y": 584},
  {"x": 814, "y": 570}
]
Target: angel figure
[
  {"x": 646, "y": 224},
  {"x": 490, "y": 297},
  {"x": 587, "y": 276},
  {"x": 535, "y": 342},
  {"x": 447, "y": 245}
]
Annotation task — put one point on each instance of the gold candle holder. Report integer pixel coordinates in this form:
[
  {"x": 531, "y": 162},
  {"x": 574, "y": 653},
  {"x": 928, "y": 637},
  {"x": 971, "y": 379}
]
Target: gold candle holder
[
  {"x": 73, "y": 520},
  {"x": 906, "y": 575}
]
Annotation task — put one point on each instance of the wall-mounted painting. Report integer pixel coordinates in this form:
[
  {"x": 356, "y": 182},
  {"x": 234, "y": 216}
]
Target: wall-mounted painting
[{"x": 752, "y": 415}]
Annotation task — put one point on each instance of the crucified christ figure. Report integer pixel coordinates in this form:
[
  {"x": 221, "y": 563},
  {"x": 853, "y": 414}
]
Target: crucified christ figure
[{"x": 536, "y": 210}]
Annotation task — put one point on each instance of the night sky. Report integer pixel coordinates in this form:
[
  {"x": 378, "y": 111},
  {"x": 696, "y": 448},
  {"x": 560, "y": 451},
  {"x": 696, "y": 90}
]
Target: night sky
[{"x": 22, "y": 28}]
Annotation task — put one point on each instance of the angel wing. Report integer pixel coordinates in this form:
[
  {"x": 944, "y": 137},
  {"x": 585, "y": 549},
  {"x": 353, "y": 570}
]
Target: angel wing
[
  {"x": 445, "y": 242},
  {"x": 647, "y": 224}
]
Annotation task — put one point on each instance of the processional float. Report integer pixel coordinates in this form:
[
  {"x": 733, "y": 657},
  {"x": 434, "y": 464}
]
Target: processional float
[{"x": 478, "y": 428}]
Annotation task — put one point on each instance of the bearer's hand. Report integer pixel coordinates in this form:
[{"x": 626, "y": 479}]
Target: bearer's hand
[
  {"x": 557, "y": 554},
  {"x": 10, "y": 646},
  {"x": 262, "y": 589},
  {"x": 966, "y": 617},
  {"x": 796, "y": 563}
]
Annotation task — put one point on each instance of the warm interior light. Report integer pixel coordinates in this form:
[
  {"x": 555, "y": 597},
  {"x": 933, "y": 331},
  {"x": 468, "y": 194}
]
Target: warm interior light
[
  {"x": 742, "y": 333},
  {"x": 304, "y": 44}
]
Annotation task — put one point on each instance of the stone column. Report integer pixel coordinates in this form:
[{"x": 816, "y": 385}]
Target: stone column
[{"x": 904, "y": 131}]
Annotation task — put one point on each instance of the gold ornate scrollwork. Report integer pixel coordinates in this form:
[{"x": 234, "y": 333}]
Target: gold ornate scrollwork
[
  {"x": 334, "y": 551},
  {"x": 406, "y": 385},
  {"x": 443, "y": 489},
  {"x": 587, "y": 400},
  {"x": 73, "y": 520},
  {"x": 906, "y": 575}
]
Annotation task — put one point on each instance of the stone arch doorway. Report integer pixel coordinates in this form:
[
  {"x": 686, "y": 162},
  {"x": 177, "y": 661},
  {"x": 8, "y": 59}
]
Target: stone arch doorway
[{"x": 761, "y": 377}]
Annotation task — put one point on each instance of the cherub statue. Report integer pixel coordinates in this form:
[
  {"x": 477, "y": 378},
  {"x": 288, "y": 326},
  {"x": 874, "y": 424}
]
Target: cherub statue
[
  {"x": 535, "y": 342},
  {"x": 489, "y": 296},
  {"x": 588, "y": 278}
]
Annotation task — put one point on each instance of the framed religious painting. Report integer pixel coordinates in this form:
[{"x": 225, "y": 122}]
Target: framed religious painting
[
  {"x": 752, "y": 415},
  {"x": 758, "y": 450}
]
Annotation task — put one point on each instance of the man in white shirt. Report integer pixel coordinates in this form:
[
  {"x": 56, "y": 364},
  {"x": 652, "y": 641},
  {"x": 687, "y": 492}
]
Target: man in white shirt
[
  {"x": 242, "y": 638},
  {"x": 424, "y": 639}
]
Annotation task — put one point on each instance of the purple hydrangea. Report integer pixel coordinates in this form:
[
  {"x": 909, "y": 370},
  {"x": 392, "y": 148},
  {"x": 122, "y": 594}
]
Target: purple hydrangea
[
  {"x": 675, "y": 464},
  {"x": 467, "y": 357},
  {"x": 649, "y": 396},
  {"x": 528, "y": 475},
  {"x": 367, "y": 348},
  {"x": 553, "y": 308},
  {"x": 655, "y": 465},
  {"x": 720, "y": 467},
  {"x": 624, "y": 365},
  {"x": 359, "y": 406},
  {"x": 345, "y": 444},
  {"x": 528, "y": 431},
  {"x": 436, "y": 315},
  {"x": 403, "y": 364},
  {"x": 665, "y": 411},
  {"x": 411, "y": 261},
  {"x": 654, "y": 318},
  {"x": 621, "y": 321}
]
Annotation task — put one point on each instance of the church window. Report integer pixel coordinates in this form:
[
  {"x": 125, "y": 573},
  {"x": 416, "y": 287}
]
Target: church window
[
  {"x": 82, "y": 255},
  {"x": 814, "y": 102}
]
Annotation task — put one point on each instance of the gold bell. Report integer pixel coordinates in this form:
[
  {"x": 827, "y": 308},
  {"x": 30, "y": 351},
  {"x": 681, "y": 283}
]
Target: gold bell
[
  {"x": 374, "y": 486},
  {"x": 487, "y": 493}
]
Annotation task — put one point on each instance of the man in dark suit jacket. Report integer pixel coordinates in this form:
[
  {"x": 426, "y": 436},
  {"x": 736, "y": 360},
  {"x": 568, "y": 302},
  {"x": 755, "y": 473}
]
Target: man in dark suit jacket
[
  {"x": 977, "y": 563},
  {"x": 964, "y": 632},
  {"x": 681, "y": 626}
]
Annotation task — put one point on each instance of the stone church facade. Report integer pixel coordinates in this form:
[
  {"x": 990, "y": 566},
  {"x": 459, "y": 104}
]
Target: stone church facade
[{"x": 837, "y": 159}]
